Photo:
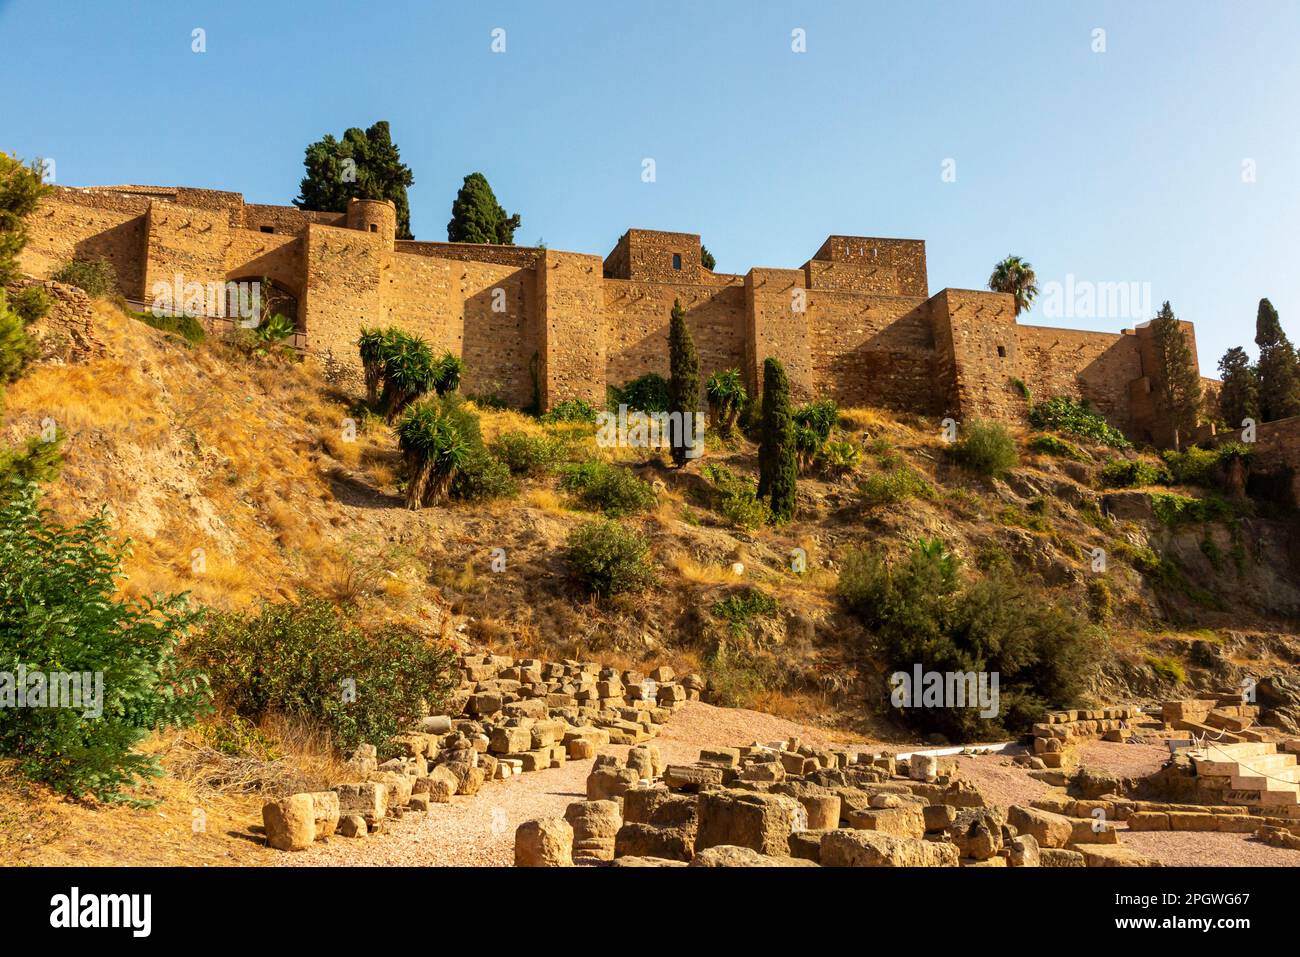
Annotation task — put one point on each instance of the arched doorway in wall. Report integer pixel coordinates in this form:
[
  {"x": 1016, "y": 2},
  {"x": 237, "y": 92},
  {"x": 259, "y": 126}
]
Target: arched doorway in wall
[{"x": 264, "y": 296}]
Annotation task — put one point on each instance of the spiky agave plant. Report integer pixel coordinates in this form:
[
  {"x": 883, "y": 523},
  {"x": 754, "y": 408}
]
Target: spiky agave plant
[
  {"x": 727, "y": 395},
  {"x": 409, "y": 370},
  {"x": 434, "y": 449},
  {"x": 449, "y": 371}
]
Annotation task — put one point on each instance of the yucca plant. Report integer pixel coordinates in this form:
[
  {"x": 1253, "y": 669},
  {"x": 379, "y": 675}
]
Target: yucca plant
[
  {"x": 812, "y": 427},
  {"x": 727, "y": 396},
  {"x": 409, "y": 371},
  {"x": 372, "y": 344},
  {"x": 434, "y": 449},
  {"x": 449, "y": 371}
]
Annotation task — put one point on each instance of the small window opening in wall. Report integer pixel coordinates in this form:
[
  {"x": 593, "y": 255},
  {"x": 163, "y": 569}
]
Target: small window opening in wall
[
  {"x": 1002, "y": 352},
  {"x": 268, "y": 229},
  {"x": 677, "y": 260},
  {"x": 374, "y": 227}
]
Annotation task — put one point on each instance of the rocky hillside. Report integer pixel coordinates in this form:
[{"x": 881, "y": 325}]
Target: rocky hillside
[{"x": 241, "y": 476}]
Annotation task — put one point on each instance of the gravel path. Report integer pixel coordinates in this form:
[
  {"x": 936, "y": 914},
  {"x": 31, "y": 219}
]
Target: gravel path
[{"x": 1205, "y": 849}]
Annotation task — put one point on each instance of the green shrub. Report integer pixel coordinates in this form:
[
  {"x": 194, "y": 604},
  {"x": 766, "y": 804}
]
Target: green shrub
[
  {"x": 1135, "y": 473},
  {"x": 1063, "y": 414},
  {"x": 839, "y": 457},
  {"x": 571, "y": 410},
  {"x": 1057, "y": 447},
  {"x": 1100, "y": 600},
  {"x": 187, "y": 327},
  {"x": 986, "y": 448},
  {"x": 36, "y": 460},
  {"x": 611, "y": 489},
  {"x": 96, "y": 276},
  {"x": 1019, "y": 385},
  {"x": 31, "y": 303},
  {"x": 61, "y": 611},
  {"x": 307, "y": 661},
  {"x": 1171, "y": 669},
  {"x": 17, "y": 348},
  {"x": 735, "y": 498},
  {"x": 923, "y": 612},
  {"x": 648, "y": 393},
  {"x": 526, "y": 454},
  {"x": 735, "y": 679},
  {"x": 741, "y": 608},
  {"x": 484, "y": 477},
  {"x": 894, "y": 485},
  {"x": 1206, "y": 468},
  {"x": 1182, "y": 510},
  {"x": 609, "y": 559}
]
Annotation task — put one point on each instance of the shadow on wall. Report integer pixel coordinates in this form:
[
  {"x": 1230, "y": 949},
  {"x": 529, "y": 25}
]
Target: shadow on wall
[
  {"x": 121, "y": 245},
  {"x": 498, "y": 345}
]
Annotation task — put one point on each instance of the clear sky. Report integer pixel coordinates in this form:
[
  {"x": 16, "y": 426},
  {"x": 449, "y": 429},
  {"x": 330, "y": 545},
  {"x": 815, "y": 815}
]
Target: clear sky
[{"x": 1127, "y": 165}]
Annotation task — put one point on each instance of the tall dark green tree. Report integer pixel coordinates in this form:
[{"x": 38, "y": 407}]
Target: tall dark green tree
[
  {"x": 1239, "y": 394},
  {"x": 1178, "y": 379},
  {"x": 683, "y": 385},
  {"x": 1278, "y": 369},
  {"x": 365, "y": 164},
  {"x": 706, "y": 258},
  {"x": 777, "y": 463},
  {"x": 477, "y": 217}
]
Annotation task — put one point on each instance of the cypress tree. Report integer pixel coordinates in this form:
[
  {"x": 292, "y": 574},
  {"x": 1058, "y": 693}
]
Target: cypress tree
[
  {"x": 376, "y": 171},
  {"x": 1178, "y": 379},
  {"x": 777, "y": 467},
  {"x": 477, "y": 217},
  {"x": 1279, "y": 369},
  {"x": 1239, "y": 396},
  {"x": 683, "y": 384}
]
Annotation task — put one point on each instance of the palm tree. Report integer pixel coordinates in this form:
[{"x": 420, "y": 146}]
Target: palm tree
[
  {"x": 1016, "y": 277},
  {"x": 726, "y": 391}
]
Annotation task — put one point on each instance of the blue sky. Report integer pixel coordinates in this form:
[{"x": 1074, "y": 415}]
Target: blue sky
[{"x": 1118, "y": 166}]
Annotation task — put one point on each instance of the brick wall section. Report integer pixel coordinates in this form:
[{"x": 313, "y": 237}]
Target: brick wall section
[
  {"x": 648, "y": 254},
  {"x": 573, "y": 354},
  {"x": 1095, "y": 366},
  {"x": 637, "y": 316},
  {"x": 976, "y": 332},
  {"x": 905, "y": 256},
  {"x": 90, "y": 225},
  {"x": 540, "y": 323},
  {"x": 774, "y": 328},
  {"x": 343, "y": 292},
  {"x": 872, "y": 350},
  {"x": 187, "y": 242}
]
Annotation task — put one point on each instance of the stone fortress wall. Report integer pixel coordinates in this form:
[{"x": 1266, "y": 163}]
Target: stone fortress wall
[{"x": 856, "y": 323}]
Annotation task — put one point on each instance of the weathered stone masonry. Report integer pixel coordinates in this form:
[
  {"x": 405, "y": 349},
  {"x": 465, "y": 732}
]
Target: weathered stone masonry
[{"x": 856, "y": 323}]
